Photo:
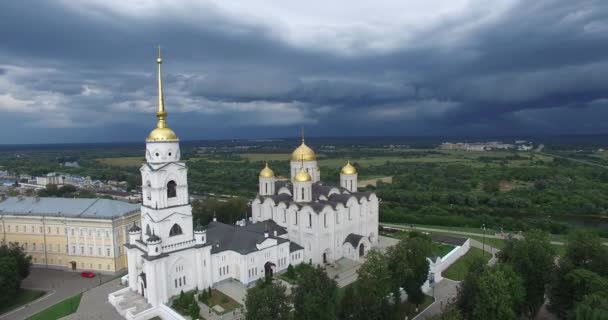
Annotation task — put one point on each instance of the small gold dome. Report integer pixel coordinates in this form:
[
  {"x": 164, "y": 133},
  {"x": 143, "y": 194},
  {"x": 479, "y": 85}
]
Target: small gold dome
[
  {"x": 162, "y": 134},
  {"x": 303, "y": 153},
  {"x": 303, "y": 176},
  {"x": 266, "y": 172},
  {"x": 348, "y": 169}
]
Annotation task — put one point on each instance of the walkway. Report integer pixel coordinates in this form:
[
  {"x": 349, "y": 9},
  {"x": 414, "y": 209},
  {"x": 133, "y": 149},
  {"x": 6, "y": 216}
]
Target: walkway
[
  {"x": 59, "y": 284},
  {"x": 94, "y": 303},
  {"x": 445, "y": 293}
]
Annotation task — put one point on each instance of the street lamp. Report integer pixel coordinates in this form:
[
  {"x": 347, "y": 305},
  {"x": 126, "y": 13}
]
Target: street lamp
[{"x": 483, "y": 243}]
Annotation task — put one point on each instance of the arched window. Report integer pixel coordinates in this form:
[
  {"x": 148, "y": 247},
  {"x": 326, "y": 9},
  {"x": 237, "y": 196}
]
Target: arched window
[
  {"x": 148, "y": 231},
  {"x": 175, "y": 230},
  {"x": 149, "y": 185},
  {"x": 171, "y": 193}
]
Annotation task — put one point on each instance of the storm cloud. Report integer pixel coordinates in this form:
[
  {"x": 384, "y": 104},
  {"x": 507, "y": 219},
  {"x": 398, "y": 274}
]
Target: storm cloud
[{"x": 84, "y": 71}]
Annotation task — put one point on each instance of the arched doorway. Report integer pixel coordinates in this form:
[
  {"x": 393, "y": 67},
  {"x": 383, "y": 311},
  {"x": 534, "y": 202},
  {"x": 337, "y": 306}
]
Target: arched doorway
[
  {"x": 361, "y": 250},
  {"x": 324, "y": 258},
  {"x": 73, "y": 265},
  {"x": 269, "y": 269}
]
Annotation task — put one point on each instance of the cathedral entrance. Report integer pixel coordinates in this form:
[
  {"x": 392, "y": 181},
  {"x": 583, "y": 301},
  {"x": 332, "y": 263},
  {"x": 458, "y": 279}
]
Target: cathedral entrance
[
  {"x": 324, "y": 257},
  {"x": 269, "y": 269},
  {"x": 73, "y": 265},
  {"x": 361, "y": 250}
]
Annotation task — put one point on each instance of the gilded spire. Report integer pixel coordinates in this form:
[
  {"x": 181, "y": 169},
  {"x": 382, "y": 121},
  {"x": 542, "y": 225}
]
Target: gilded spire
[
  {"x": 161, "y": 114},
  {"x": 302, "y": 129},
  {"x": 162, "y": 132}
]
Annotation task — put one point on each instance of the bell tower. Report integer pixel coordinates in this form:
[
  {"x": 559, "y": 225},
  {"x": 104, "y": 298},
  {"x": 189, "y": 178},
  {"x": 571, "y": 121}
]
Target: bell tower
[{"x": 166, "y": 211}]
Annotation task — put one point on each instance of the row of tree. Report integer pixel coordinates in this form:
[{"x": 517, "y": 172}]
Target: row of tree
[{"x": 375, "y": 295}]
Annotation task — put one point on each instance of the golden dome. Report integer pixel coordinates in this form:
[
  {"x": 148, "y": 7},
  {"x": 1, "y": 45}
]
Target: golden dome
[
  {"x": 162, "y": 134},
  {"x": 303, "y": 176},
  {"x": 266, "y": 172},
  {"x": 348, "y": 169},
  {"x": 303, "y": 153}
]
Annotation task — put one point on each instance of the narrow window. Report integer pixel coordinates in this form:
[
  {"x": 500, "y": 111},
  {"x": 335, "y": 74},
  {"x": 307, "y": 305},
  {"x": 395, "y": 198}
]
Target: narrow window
[
  {"x": 171, "y": 192},
  {"x": 325, "y": 220},
  {"x": 175, "y": 230},
  {"x": 310, "y": 220}
]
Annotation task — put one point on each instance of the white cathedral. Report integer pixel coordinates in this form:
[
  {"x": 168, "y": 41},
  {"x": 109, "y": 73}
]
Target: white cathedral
[{"x": 294, "y": 220}]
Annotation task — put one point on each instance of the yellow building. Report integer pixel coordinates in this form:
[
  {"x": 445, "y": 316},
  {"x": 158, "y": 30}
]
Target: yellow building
[{"x": 74, "y": 234}]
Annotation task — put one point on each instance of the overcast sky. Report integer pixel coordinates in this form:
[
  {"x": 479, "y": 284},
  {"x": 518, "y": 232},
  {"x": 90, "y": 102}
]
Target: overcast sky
[{"x": 84, "y": 71}]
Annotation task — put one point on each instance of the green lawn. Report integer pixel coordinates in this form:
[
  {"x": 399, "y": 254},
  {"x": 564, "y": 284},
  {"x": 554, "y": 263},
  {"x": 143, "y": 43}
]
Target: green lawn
[
  {"x": 23, "y": 296},
  {"x": 59, "y": 310},
  {"x": 218, "y": 298},
  {"x": 440, "y": 249},
  {"x": 459, "y": 269}
]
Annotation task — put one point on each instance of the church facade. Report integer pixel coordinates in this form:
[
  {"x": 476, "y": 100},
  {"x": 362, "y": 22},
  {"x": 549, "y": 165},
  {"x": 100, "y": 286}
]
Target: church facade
[{"x": 294, "y": 220}]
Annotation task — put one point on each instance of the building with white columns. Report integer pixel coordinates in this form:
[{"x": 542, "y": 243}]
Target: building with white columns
[{"x": 294, "y": 220}]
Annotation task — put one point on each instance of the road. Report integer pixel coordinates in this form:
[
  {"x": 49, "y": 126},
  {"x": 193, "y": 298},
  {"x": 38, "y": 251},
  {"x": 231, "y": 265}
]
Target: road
[
  {"x": 59, "y": 285},
  {"x": 463, "y": 233}
]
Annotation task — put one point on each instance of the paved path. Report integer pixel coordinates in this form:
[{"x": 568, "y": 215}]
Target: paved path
[
  {"x": 59, "y": 284},
  {"x": 94, "y": 303},
  {"x": 445, "y": 293}
]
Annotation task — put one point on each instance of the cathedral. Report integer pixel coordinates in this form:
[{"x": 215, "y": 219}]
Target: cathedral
[{"x": 294, "y": 220}]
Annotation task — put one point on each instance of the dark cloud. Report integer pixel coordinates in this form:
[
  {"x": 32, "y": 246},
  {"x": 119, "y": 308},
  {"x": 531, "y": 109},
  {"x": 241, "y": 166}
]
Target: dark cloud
[{"x": 66, "y": 66}]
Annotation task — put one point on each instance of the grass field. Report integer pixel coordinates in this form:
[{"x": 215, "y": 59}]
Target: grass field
[
  {"x": 59, "y": 310},
  {"x": 459, "y": 269},
  {"x": 440, "y": 249},
  {"x": 24, "y": 296}
]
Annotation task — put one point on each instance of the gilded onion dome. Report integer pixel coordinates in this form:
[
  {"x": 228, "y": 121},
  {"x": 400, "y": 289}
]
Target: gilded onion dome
[
  {"x": 161, "y": 132},
  {"x": 303, "y": 176},
  {"x": 348, "y": 169},
  {"x": 266, "y": 172},
  {"x": 303, "y": 152}
]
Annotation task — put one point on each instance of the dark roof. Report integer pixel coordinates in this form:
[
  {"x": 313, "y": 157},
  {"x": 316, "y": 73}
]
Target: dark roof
[
  {"x": 455, "y": 241},
  {"x": 320, "y": 196},
  {"x": 241, "y": 239},
  {"x": 134, "y": 228},
  {"x": 153, "y": 238},
  {"x": 353, "y": 239},
  {"x": 294, "y": 247},
  {"x": 199, "y": 228}
]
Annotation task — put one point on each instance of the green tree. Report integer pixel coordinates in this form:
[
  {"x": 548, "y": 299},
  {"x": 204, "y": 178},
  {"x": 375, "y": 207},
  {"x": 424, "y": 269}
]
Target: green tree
[
  {"x": 532, "y": 258},
  {"x": 593, "y": 307},
  {"x": 582, "y": 271},
  {"x": 194, "y": 310},
  {"x": 409, "y": 265},
  {"x": 375, "y": 282},
  {"x": 467, "y": 291},
  {"x": 267, "y": 301},
  {"x": 9, "y": 279},
  {"x": 24, "y": 261},
  {"x": 584, "y": 249},
  {"x": 315, "y": 295},
  {"x": 500, "y": 294},
  {"x": 351, "y": 304}
]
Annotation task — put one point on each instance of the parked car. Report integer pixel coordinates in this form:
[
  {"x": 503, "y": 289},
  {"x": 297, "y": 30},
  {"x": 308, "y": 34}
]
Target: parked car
[{"x": 87, "y": 274}]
